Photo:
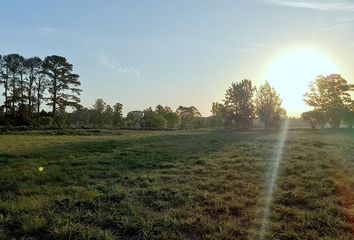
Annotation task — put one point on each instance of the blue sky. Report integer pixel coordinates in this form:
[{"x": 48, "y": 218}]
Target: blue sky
[{"x": 144, "y": 53}]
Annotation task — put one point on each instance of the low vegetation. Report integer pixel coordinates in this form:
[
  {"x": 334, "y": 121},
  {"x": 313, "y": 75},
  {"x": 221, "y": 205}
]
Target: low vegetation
[{"x": 174, "y": 185}]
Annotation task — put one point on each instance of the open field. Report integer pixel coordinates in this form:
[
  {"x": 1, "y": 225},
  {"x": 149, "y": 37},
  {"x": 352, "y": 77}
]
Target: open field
[{"x": 176, "y": 185}]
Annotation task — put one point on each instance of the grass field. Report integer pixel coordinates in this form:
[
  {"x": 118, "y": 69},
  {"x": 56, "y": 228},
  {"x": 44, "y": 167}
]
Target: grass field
[{"x": 175, "y": 185}]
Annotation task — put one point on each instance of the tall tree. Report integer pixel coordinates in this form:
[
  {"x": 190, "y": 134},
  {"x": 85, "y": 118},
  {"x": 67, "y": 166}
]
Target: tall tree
[
  {"x": 218, "y": 113},
  {"x": 33, "y": 66},
  {"x": 217, "y": 109},
  {"x": 108, "y": 116},
  {"x": 63, "y": 83},
  {"x": 187, "y": 115},
  {"x": 330, "y": 95},
  {"x": 268, "y": 107},
  {"x": 239, "y": 107},
  {"x": 118, "y": 114},
  {"x": 134, "y": 118},
  {"x": 173, "y": 119},
  {"x": 13, "y": 64},
  {"x": 160, "y": 110},
  {"x": 40, "y": 85},
  {"x": 4, "y": 80},
  {"x": 97, "y": 112}
]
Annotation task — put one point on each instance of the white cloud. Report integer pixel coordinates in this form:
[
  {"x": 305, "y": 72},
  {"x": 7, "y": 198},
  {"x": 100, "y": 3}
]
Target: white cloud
[{"x": 345, "y": 6}]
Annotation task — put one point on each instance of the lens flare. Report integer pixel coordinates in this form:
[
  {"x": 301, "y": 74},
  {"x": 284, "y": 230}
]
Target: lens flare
[{"x": 277, "y": 157}]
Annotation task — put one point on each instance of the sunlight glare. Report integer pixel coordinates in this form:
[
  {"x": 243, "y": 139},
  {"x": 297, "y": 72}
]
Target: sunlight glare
[
  {"x": 292, "y": 71},
  {"x": 277, "y": 158}
]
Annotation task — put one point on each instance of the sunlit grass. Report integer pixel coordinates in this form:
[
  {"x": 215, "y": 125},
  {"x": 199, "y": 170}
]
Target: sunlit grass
[{"x": 173, "y": 185}]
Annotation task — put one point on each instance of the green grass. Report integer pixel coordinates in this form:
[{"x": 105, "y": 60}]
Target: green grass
[{"x": 173, "y": 185}]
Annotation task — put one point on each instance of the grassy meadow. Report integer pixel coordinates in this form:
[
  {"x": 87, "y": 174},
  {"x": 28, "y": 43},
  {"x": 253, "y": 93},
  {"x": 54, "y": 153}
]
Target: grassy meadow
[{"x": 175, "y": 185}]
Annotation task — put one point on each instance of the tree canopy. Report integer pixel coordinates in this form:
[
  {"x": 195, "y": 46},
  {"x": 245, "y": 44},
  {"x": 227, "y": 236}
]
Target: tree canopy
[
  {"x": 268, "y": 107},
  {"x": 330, "y": 95}
]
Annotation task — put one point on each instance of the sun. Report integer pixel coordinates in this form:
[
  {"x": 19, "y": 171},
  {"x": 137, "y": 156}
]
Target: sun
[{"x": 292, "y": 71}]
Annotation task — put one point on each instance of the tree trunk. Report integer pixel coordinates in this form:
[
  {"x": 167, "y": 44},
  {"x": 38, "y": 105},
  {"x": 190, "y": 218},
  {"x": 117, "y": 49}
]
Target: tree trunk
[
  {"x": 39, "y": 96},
  {"x": 22, "y": 90},
  {"x": 13, "y": 95},
  {"x": 30, "y": 94},
  {"x": 6, "y": 85},
  {"x": 54, "y": 96}
]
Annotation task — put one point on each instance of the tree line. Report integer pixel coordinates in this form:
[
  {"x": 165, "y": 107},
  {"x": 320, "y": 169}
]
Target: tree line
[
  {"x": 28, "y": 83},
  {"x": 102, "y": 114},
  {"x": 242, "y": 104}
]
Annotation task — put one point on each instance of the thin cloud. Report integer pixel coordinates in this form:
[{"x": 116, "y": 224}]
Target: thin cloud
[
  {"x": 119, "y": 69},
  {"x": 50, "y": 31},
  {"x": 203, "y": 44},
  {"x": 339, "y": 24},
  {"x": 344, "y": 6},
  {"x": 263, "y": 45}
]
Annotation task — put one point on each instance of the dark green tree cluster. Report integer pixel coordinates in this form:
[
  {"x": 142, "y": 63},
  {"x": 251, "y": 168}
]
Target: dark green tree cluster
[
  {"x": 163, "y": 117},
  {"x": 243, "y": 103},
  {"x": 103, "y": 115},
  {"x": 28, "y": 83},
  {"x": 330, "y": 98},
  {"x": 99, "y": 115}
]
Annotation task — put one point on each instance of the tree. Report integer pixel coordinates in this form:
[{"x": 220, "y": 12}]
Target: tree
[
  {"x": 33, "y": 66},
  {"x": 217, "y": 109},
  {"x": 4, "y": 80},
  {"x": 330, "y": 95},
  {"x": 268, "y": 107},
  {"x": 239, "y": 108},
  {"x": 80, "y": 117},
  {"x": 41, "y": 84},
  {"x": 218, "y": 113},
  {"x": 108, "y": 115},
  {"x": 313, "y": 118},
  {"x": 63, "y": 84},
  {"x": 187, "y": 115},
  {"x": 349, "y": 116},
  {"x": 160, "y": 110},
  {"x": 13, "y": 65},
  {"x": 173, "y": 119},
  {"x": 118, "y": 115},
  {"x": 134, "y": 118},
  {"x": 97, "y": 112}
]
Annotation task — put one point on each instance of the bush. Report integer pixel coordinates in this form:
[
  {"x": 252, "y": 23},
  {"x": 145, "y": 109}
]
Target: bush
[{"x": 45, "y": 121}]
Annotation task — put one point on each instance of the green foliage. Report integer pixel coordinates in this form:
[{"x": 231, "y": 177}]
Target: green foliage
[
  {"x": 313, "y": 118},
  {"x": 117, "y": 115},
  {"x": 268, "y": 107},
  {"x": 173, "y": 119},
  {"x": 45, "y": 121},
  {"x": 331, "y": 95},
  {"x": 63, "y": 84},
  {"x": 157, "y": 122},
  {"x": 239, "y": 107},
  {"x": 133, "y": 118},
  {"x": 217, "y": 109},
  {"x": 27, "y": 83},
  {"x": 187, "y": 115}
]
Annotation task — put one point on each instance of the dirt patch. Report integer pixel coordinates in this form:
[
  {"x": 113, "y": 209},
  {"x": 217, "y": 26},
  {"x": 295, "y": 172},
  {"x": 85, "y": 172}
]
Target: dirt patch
[{"x": 345, "y": 191}]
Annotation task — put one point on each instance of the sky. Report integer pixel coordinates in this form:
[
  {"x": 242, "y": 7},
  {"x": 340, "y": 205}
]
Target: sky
[{"x": 145, "y": 53}]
